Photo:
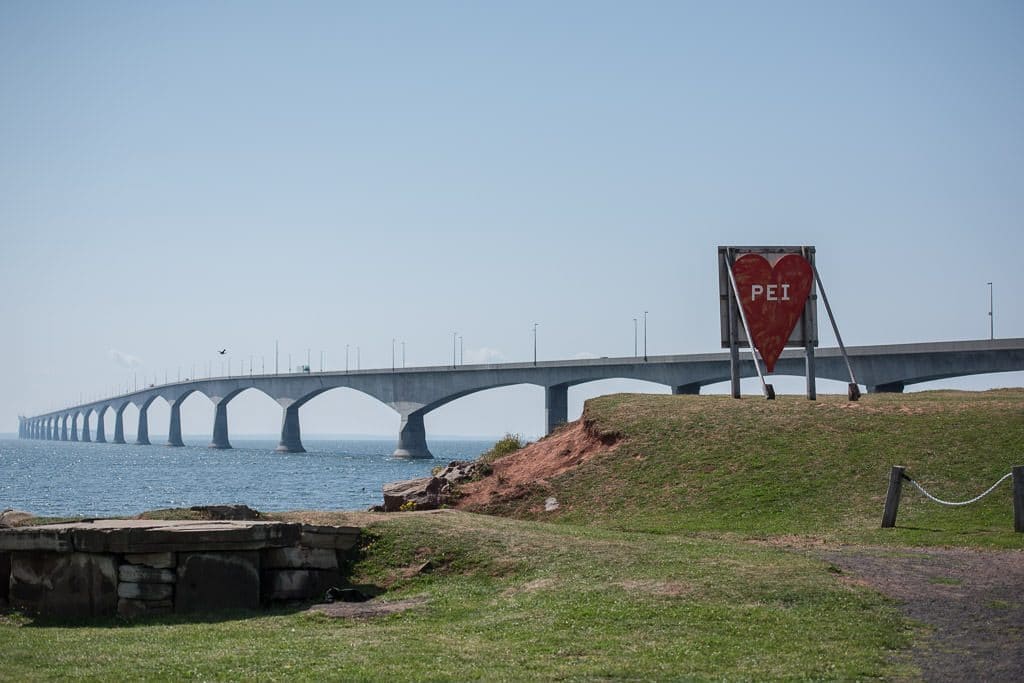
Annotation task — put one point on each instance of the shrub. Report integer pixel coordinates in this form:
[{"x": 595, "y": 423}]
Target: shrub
[{"x": 510, "y": 443}]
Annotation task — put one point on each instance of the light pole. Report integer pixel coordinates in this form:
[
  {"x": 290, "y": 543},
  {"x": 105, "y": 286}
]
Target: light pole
[
  {"x": 645, "y": 336},
  {"x": 636, "y": 349},
  {"x": 991, "y": 317},
  {"x": 276, "y": 355},
  {"x": 462, "y": 352},
  {"x": 392, "y": 354},
  {"x": 535, "y": 344},
  {"x": 346, "y": 357},
  {"x": 359, "y": 363},
  {"x": 454, "y": 357},
  {"x": 403, "y": 354}
]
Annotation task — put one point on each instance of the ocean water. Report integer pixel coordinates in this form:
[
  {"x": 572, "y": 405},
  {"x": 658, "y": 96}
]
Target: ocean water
[{"x": 64, "y": 478}]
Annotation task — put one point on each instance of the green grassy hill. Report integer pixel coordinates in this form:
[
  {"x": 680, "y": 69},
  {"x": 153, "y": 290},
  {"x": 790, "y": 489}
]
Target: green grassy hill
[{"x": 792, "y": 466}]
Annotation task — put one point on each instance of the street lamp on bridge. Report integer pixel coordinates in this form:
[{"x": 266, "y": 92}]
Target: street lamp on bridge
[
  {"x": 535, "y": 343},
  {"x": 991, "y": 317}
]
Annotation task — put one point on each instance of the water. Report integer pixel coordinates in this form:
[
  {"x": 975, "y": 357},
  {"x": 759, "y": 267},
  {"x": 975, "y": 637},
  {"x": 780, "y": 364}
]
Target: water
[{"x": 64, "y": 478}]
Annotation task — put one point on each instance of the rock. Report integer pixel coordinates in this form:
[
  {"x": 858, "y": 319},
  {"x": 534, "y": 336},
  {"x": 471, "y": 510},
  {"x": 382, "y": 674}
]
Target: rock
[
  {"x": 137, "y": 573},
  {"x": 332, "y": 537},
  {"x": 145, "y": 591},
  {"x": 299, "y": 557},
  {"x": 459, "y": 471},
  {"x": 230, "y": 512},
  {"x": 155, "y": 560},
  {"x": 11, "y": 517},
  {"x": 425, "y": 493},
  {"x": 551, "y": 504}
]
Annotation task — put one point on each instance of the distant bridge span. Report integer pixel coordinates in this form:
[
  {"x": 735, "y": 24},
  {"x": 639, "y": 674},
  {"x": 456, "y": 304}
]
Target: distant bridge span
[{"x": 414, "y": 392}]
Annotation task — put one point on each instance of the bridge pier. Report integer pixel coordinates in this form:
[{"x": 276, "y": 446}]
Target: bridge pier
[
  {"x": 888, "y": 388},
  {"x": 49, "y": 430},
  {"x": 220, "y": 426},
  {"x": 85, "y": 426},
  {"x": 412, "y": 437},
  {"x": 174, "y": 429},
  {"x": 101, "y": 429},
  {"x": 291, "y": 433},
  {"x": 556, "y": 406},
  {"x": 74, "y": 427},
  {"x": 142, "y": 435},
  {"x": 119, "y": 424},
  {"x": 64, "y": 428},
  {"x": 686, "y": 390}
]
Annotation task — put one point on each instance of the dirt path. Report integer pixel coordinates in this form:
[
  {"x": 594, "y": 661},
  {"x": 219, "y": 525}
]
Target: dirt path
[{"x": 972, "y": 602}]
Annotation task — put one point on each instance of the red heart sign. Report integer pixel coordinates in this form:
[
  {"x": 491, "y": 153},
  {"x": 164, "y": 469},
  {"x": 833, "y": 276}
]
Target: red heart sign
[{"x": 772, "y": 299}]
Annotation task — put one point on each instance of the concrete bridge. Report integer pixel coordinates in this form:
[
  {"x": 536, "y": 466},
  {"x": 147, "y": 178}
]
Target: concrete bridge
[{"x": 414, "y": 392}]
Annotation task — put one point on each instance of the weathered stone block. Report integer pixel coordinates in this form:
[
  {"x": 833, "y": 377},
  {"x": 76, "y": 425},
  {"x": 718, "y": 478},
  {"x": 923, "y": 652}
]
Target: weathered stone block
[
  {"x": 36, "y": 538},
  {"x": 210, "y": 581},
  {"x": 137, "y": 573},
  {"x": 126, "y": 607},
  {"x": 156, "y": 560},
  {"x": 5, "y": 575},
  {"x": 145, "y": 591},
  {"x": 64, "y": 584},
  {"x": 333, "y": 537},
  {"x": 299, "y": 557},
  {"x": 299, "y": 584}
]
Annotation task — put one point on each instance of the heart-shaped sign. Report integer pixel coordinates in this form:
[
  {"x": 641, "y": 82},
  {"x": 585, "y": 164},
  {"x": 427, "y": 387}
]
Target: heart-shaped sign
[{"x": 773, "y": 299}]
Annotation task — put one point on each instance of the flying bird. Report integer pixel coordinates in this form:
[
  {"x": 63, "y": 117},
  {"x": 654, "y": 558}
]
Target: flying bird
[{"x": 222, "y": 351}]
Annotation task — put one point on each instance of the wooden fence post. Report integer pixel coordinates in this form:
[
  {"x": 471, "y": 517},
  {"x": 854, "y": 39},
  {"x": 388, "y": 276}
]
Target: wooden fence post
[
  {"x": 1018, "y": 498},
  {"x": 892, "y": 496}
]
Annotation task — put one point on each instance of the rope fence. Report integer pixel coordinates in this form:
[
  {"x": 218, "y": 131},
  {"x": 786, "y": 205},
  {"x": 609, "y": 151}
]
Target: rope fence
[{"x": 898, "y": 474}]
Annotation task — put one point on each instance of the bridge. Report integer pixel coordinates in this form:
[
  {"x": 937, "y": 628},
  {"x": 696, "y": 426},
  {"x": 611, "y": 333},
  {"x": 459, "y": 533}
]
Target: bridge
[{"x": 414, "y": 392}]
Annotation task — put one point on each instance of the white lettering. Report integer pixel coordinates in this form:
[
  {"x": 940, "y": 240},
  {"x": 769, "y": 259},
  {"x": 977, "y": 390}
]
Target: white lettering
[
  {"x": 785, "y": 292},
  {"x": 771, "y": 293},
  {"x": 755, "y": 290}
]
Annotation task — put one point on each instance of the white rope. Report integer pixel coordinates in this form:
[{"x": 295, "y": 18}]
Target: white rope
[{"x": 965, "y": 502}]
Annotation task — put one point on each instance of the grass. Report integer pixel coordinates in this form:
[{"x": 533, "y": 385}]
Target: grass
[
  {"x": 663, "y": 562},
  {"x": 792, "y": 466},
  {"x": 512, "y": 600}
]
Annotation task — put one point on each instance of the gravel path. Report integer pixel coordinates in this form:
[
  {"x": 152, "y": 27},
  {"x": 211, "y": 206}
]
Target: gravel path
[{"x": 972, "y": 602}]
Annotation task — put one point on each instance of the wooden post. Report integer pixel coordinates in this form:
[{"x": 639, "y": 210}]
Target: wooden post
[
  {"x": 1018, "y": 498},
  {"x": 892, "y": 496}
]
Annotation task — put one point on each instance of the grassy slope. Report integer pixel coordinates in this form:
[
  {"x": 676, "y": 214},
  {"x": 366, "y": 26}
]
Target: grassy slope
[
  {"x": 793, "y": 466},
  {"x": 511, "y": 600},
  {"x": 596, "y": 594}
]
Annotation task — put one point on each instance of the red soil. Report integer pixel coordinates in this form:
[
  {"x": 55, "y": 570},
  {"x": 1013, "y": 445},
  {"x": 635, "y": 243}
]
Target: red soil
[{"x": 531, "y": 466}]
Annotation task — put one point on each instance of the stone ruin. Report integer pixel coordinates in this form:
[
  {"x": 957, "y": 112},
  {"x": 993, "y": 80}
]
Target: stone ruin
[{"x": 138, "y": 567}]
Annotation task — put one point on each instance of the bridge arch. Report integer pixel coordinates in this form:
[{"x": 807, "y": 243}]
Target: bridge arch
[
  {"x": 317, "y": 406},
  {"x": 491, "y": 411}
]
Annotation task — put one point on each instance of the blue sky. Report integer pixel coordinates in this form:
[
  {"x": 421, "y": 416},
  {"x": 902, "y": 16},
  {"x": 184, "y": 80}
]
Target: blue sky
[{"x": 181, "y": 177}]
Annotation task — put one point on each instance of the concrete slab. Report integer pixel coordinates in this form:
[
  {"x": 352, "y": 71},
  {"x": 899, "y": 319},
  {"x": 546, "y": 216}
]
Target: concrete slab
[{"x": 150, "y": 536}]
